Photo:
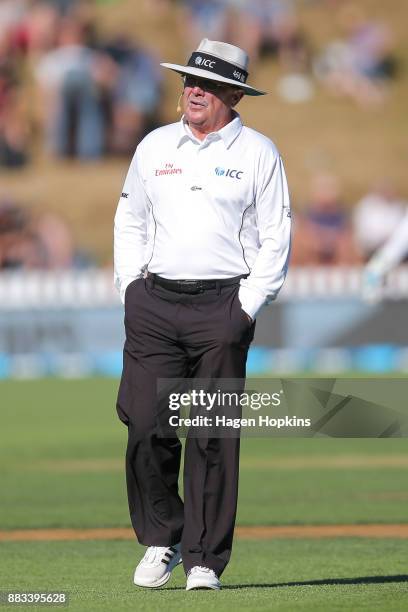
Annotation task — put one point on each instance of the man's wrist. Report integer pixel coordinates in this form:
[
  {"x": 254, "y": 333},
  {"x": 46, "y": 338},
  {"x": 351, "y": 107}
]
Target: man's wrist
[{"x": 251, "y": 301}]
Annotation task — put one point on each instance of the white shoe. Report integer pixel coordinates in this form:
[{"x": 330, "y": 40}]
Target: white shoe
[
  {"x": 155, "y": 568},
  {"x": 202, "y": 578}
]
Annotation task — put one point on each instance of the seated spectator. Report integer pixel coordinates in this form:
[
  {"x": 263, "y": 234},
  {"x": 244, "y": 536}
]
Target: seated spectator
[
  {"x": 323, "y": 234},
  {"x": 56, "y": 240},
  {"x": 42, "y": 242},
  {"x": 376, "y": 217},
  {"x": 359, "y": 65},
  {"x": 18, "y": 246}
]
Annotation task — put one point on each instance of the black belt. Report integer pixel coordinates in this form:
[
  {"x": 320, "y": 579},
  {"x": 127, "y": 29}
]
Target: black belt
[{"x": 193, "y": 286}]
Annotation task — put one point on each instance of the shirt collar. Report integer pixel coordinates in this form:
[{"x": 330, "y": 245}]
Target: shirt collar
[{"x": 227, "y": 134}]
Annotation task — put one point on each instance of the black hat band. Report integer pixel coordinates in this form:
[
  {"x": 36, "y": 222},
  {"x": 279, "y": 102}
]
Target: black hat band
[{"x": 218, "y": 66}]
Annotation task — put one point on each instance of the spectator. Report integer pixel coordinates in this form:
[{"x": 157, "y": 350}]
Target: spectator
[
  {"x": 376, "y": 217},
  {"x": 270, "y": 27},
  {"x": 74, "y": 118},
  {"x": 43, "y": 242},
  {"x": 135, "y": 94},
  {"x": 19, "y": 247},
  {"x": 13, "y": 137},
  {"x": 56, "y": 240},
  {"x": 359, "y": 65},
  {"x": 38, "y": 31},
  {"x": 13, "y": 127},
  {"x": 323, "y": 233},
  {"x": 205, "y": 19},
  {"x": 91, "y": 97}
]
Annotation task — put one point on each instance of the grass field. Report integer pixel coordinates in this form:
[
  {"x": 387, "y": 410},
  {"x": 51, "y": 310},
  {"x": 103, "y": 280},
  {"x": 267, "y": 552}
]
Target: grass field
[{"x": 61, "y": 465}]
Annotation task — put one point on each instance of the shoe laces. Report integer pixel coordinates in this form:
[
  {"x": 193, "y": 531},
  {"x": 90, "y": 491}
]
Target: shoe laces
[
  {"x": 156, "y": 554},
  {"x": 200, "y": 568}
]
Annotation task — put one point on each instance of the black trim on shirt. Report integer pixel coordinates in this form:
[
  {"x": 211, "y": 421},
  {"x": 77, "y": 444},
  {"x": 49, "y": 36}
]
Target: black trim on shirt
[{"x": 239, "y": 235}]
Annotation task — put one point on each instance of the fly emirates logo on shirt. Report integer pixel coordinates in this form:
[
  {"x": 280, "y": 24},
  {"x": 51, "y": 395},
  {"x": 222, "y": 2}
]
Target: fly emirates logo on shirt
[{"x": 168, "y": 169}]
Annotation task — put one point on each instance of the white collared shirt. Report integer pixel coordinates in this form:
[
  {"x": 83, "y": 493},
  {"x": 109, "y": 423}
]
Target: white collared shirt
[{"x": 209, "y": 209}]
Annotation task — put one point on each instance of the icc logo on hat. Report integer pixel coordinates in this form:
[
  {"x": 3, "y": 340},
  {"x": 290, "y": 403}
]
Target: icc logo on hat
[{"x": 203, "y": 62}]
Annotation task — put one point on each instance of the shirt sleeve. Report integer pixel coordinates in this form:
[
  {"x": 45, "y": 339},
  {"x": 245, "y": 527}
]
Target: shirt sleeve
[
  {"x": 273, "y": 217},
  {"x": 130, "y": 229}
]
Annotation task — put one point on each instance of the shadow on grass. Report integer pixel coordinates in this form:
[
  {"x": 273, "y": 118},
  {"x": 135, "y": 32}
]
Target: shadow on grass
[{"x": 322, "y": 582}]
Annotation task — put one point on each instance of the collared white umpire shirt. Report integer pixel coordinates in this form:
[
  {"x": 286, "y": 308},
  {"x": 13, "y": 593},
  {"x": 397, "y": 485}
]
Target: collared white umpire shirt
[{"x": 209, "y": 209}]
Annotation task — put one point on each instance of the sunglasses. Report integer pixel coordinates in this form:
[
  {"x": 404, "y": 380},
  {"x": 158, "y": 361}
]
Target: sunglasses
[{"x": 210, "y": 86}]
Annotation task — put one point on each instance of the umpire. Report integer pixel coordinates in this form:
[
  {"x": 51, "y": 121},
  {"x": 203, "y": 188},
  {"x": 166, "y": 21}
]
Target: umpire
[{"x": 202, "y": 236}]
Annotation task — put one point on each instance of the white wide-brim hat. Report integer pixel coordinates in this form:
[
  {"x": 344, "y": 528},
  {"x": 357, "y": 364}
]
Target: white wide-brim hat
[{"x": 221, "y": 62}]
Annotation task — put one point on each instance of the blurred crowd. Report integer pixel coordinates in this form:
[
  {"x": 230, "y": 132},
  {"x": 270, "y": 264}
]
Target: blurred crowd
[
  {"x": 58, "y": 77},
  {"x": 358, "y": 64},
  {"x": 264, "y": 28},
  {"x": 83, "y": 95},
  {"x": 328, "y": 231},
  {"x": 87, "y": 95},
  {"x": 42, "y": 241}
]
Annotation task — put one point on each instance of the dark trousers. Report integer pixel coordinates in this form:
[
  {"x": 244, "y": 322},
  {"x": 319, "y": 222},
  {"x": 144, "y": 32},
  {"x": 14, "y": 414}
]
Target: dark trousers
[{"x": 175, "y": 336}]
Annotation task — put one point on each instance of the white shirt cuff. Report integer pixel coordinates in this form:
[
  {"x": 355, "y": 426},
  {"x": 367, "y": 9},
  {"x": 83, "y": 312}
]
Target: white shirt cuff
[{"x": 251, "y": 301}]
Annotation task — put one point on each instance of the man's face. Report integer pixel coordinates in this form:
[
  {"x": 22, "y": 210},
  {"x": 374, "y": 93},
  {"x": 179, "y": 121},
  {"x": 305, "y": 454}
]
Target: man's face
[{"x": 208, "y": 104}]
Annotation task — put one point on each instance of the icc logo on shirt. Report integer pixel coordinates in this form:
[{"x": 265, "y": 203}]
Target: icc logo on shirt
[{"x": 232, "y": 173}]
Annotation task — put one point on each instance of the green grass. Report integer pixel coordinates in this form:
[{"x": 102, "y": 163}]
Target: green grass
[
  {"x": 282, "y": 575},
  {"x": 61, "y": 465}
]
